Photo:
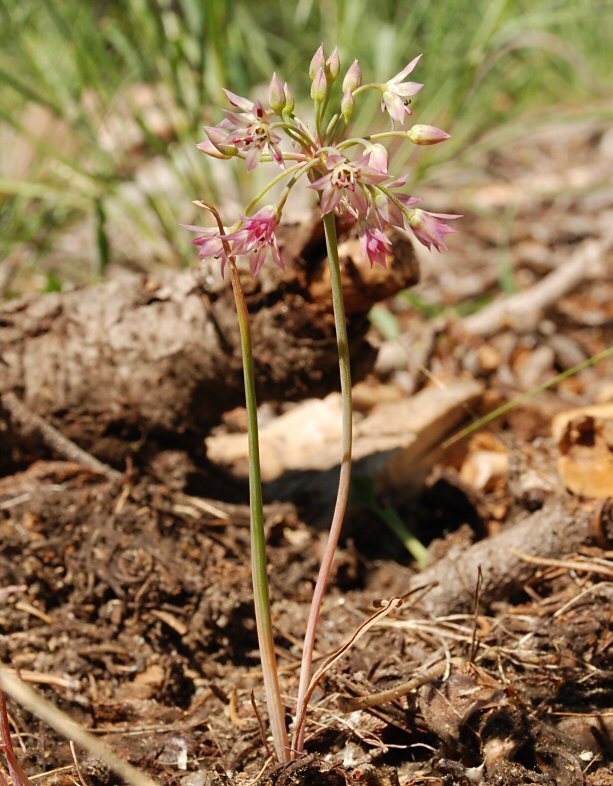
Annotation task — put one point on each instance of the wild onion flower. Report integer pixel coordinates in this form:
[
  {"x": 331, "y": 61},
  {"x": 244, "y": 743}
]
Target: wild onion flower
[
  {"x": 256, "y": 238},
  {"x": 375, "y": 246},
  {"x": 210, "y": 243},
  {"x": 395, "y": 93},
  {"x": 248, "y": 131},
  {"x": 351, "y": 177},
  {"x": 346, "y": 185},
  {"x": 430, "y": 229}
]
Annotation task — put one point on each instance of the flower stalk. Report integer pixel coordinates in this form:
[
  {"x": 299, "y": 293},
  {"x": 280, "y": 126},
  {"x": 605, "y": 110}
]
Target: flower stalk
[
  {"x": 342, "y": 496},
  {"x": 259, "y": 565},
  {"x": 259, "y": 568}
]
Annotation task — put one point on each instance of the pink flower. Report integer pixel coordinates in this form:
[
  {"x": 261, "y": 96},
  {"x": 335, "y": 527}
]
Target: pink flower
[
  {"x": 256, "y": 237},
  {"x": 375, "y": 245},
  {"x": 344, "y": 184},
  {"x": 429, "y": 229},
  {"x": 247, "y": 131},
  {"x": 395, "y": 92},
  {"x": 210, "y": 243}
]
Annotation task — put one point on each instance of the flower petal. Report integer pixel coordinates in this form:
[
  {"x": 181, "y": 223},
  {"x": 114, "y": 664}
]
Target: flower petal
[
  {"x": 394, "y": 105},
  {"x": 252, "y": 159},
  {"x": 242, "y": 103},
  {"x": 408, "y": 88},
  {"x": 406, "y": 70}
]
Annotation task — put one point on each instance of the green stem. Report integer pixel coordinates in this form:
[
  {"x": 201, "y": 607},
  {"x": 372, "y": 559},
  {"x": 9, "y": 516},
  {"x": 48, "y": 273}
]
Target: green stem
[
  {"x": 364, "y": 140},
  {"x": 259, "y": 571},
  {"x": 343, "y": 486},
  {"x": 278, "y": 179},
  {"x": 297, "y": 133}
]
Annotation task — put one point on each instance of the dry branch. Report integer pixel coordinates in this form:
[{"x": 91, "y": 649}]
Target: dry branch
[
  {"x": 558, "y": 529},
  {"x": 31, "y": 422},
  {"x": 525, "y": 309}
]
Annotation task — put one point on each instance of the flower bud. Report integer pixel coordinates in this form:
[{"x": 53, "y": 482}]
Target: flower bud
[
  {"x": 318, "y": 61},
  {"x": 290, "y": 101},
  {"x": 353, "y": 77},
  {"x": 426, "y": 135},
  {"x": 319, "y": 86},
  {"x": 347, "y": 105},
  {"x": 333, "y": 65},
  {"x": 276, "y": 94}
]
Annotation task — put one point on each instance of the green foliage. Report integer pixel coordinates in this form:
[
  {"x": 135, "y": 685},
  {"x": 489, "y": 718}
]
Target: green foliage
[{"x": 101, "y": 103}]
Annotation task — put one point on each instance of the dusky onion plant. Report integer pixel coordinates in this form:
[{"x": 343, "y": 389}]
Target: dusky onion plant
[{"x": 350, "y": 176}]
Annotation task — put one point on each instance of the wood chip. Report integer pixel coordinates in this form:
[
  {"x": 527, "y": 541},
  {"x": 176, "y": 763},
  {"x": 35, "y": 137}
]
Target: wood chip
[{"x": 585, "y": 442}]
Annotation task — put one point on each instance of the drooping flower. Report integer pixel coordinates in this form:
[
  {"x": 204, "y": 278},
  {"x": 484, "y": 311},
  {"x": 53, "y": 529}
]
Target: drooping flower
[
  {"x": 210, "y": 243},
  {"x": 375, "y": 245},
  {"x": 429, "y": 229},
  {"x": 395, "y": 93},
  {"x": 345, "y": 184},
  {"x": 256, "y": 238}
]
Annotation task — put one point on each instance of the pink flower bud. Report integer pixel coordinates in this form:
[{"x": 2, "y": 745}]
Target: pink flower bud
[
  {"x": 347, "y": 105},
  {"x": 290, "y": 101},
  {"x": 319, "y": 86},
  {"x": 318, "y": 61},
  {"x": 426, "y": 135},
  {"x": 353, "y": 77},
  {"x": 333, "y": 64},
  {"x": 276, "y": 94}
]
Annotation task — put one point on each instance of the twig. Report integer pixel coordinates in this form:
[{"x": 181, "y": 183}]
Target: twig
[
  {"x": 53, "y": 438},
  {"x": 76, "y": 763},
  {"x": 269, "y": 753},
  {"x": 386, "y": 608},
  {"x": 435, "y": 672},
  {"x": 569, "y": 564},
  {"x": 474, "y": 644},
  {"x": 526, "y": 307},
  {"x": 40, "y": 678},
  {"x": 560, "y": 528},
  {"x": 62, "y": 723}
]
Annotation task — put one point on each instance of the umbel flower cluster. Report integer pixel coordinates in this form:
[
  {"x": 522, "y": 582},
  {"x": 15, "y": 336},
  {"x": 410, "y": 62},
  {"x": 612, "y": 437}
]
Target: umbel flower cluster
[{"x": 350, "y": 174}]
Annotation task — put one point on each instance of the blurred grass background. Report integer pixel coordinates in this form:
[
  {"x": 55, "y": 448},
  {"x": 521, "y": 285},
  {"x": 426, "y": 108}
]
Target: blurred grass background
[{"x": 102, "y": 102}]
